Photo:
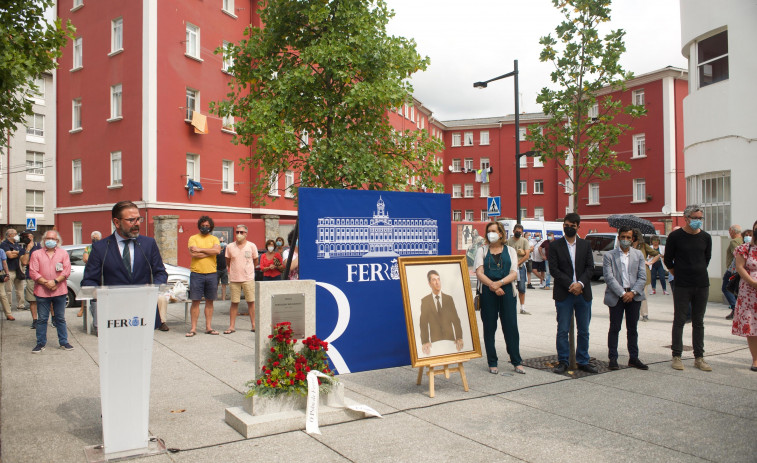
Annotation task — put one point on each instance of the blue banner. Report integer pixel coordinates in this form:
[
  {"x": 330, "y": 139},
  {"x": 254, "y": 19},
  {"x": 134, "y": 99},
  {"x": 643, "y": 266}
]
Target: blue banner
[{"x": 349, "y": 243}]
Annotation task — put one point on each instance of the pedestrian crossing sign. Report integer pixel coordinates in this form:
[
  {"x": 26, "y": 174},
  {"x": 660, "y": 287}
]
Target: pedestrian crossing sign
[
  {"x": 493, "y": 206},
  {"x": 31, "y": 223}
]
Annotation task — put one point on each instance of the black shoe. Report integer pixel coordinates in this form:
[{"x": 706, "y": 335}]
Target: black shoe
[
  {"x": 529, "y": 286},
  {"x": 636, "y": 363},
  {"x": 729, "y": 316},
  {"x": 613, "y": 365},
  {"x": 588, "y": 368},
  {"x": 560, "y": 368}
]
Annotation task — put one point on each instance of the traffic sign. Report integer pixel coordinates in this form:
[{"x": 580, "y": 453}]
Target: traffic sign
[
  {"x": 493, "y": 206},
  {"x": 31, "y": 223}
]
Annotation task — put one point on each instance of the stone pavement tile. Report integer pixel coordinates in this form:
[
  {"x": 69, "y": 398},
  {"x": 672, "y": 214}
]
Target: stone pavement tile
[
  {"x": 56, "y": 441},
  {"x": 401, "y": 437},
  {"x": 529, "y": 434},
  {"x": 687, "y": 429}
]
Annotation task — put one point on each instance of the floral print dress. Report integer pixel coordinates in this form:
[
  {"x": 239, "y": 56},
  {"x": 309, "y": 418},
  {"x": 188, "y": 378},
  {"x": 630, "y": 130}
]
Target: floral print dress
[{"x": 745, "y": 316}]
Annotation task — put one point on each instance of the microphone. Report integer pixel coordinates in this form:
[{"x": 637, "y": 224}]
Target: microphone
[{"x": 146, "y": 259}]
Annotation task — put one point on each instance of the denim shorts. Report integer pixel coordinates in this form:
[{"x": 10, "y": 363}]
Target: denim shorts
[
  {"x": 522, "y": 279},
  {"x": 203, "y": 285}
]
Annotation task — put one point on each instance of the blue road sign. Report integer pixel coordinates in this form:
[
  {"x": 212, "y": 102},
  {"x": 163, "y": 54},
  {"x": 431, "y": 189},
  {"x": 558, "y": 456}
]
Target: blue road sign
[
  {"x": 493, "y": 206},
  {"x": 31, "y": 223}
]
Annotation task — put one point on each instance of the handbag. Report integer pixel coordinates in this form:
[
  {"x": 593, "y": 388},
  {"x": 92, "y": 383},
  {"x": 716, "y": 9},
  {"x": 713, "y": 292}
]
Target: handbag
[
  {"x": 20, "y": 274},
  {"x": 733, "y": 284}
]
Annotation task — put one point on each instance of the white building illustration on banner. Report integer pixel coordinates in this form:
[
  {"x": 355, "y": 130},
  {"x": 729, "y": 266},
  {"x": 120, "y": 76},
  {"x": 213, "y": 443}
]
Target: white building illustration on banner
[{"x": 377, "y": 236}]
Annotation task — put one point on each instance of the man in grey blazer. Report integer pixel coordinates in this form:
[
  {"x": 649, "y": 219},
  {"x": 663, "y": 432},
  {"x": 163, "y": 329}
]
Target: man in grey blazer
[{"x": 625, "y": 275}]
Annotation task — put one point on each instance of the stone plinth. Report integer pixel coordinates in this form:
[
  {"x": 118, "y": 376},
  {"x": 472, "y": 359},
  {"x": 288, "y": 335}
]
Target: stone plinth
[{"x": 166, "y": 235}]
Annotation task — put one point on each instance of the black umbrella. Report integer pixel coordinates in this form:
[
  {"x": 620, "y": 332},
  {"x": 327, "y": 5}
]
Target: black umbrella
[{"x": 629, "y": 220}]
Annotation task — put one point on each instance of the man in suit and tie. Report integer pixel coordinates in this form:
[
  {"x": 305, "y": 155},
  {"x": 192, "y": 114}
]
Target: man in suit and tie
[
  {"x": 572, "y": 265},
  {"x": 625, "y": 274},
  {"x": 439, "y": 319},
  {"x": 125, "y": 257}
]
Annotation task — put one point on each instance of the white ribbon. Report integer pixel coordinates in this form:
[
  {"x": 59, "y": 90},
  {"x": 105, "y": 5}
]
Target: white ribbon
[{"x": 311, "y": 414}]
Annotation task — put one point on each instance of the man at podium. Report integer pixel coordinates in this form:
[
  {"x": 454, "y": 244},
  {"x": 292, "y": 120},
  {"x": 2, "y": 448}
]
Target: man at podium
[{"x": 125, "y": 257}]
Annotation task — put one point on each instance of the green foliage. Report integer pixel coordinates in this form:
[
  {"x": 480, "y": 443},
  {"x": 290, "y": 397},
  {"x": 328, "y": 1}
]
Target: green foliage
[
  {"x": 585, "y": 64},
  {"x": 328, "y": 69},
  {"x": 29, "y": 46}
]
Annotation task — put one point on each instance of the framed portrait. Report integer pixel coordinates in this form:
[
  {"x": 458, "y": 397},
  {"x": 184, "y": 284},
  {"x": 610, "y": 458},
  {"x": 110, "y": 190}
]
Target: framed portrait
[{"x": 439, "y": 313}]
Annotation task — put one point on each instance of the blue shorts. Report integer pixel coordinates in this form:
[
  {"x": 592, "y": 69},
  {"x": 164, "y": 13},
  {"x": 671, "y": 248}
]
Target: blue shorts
[
  {"x": 522, "y": 279},
  {"x": 203, "y": 285}
]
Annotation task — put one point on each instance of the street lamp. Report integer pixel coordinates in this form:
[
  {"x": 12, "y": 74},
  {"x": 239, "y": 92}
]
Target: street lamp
[{"x": 483, "y": 84}]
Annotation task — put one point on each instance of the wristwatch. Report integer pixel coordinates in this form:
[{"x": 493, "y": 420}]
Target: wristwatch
[{"x": 634, "y": 292}]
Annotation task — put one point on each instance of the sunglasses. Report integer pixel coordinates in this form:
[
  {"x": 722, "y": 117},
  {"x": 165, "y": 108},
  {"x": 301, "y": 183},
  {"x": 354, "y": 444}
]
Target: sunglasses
[{"x": 241, "y": 233}]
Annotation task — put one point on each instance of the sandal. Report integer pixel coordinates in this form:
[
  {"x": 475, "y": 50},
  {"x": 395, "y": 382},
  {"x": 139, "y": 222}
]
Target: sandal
[
  {"x": 229, "y": 331},
  {"x": 190, "y": 334},
  {"x": 519, "y": 369},
  {"x": 493, "y": 370},
  {"x": 213, "y": 332}
]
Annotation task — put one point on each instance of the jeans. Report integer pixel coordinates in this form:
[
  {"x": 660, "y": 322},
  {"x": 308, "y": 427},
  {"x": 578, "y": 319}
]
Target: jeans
[
  {"x": 93, "y": 312},
  {"x": 683, "y": 298},
  {"x": 658, "y": 271},
  {"x": 43, "y": 313},
  {"x": 728, "y": 295},
  {"x": 547, "y": 277},
  {"x": 565, "y": 310},
  {"x": 522, "y": 279},
  {"x": 631, "y": 311}
]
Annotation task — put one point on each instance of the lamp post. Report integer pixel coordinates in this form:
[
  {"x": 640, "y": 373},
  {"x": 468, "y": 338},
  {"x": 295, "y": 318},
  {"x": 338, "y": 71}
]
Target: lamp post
[{"x": 483, "y": 84}]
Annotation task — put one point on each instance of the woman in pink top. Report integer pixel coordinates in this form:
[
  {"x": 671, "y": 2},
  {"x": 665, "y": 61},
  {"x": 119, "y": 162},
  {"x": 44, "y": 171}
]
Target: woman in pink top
[{"x": 49, "y": 268}]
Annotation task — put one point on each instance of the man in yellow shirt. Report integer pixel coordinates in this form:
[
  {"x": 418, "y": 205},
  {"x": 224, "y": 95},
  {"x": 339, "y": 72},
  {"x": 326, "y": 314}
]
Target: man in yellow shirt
[{"x": 203, "y": 280}]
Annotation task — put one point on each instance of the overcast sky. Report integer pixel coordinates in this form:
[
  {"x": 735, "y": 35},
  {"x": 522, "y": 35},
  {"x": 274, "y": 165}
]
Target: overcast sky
[{"x": 474, "y": 40}]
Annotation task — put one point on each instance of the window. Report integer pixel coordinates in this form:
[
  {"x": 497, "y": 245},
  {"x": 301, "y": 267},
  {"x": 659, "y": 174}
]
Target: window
[
  {"x": 77, "y": 233},
  {"x": 455, "y": 165},
  {"x": 227, "y": 176},
  {"x": 76, "y": 114},
  {"x": 193, "y": 41},
  {"x": 288, "y": 184},
  {"x": 412, "y": 113},
  {"x": 407, "y": 111},
  {"x": 523, "y": 187},
  {"x": 76, "y": 175},
  {"x": 35, "y": 128},
  {"x": 399, "y": 110},
  {"x": 566, "y": 186},
  {"x": 523, "y": 162},
  {"x": 639, "y": 146},
  {"x": 538, "y": 213},
  {"x": 115, "y": 101},
  {"x": 484, "y": 215},
  {"x": 274, "y": 182},
  {"x": 538, "y": 161},
  {"x": 228, "y": 6},
  {"x": 77, "y": 4},
  {"x": 35, "y": 164},
  {"x": 77, "y": 53},
  {"x": 456, "y": 191},
  {"x": 713, "y": 192},
  {"x": 522, "y": 132},
  {"x": 304, "y": 139},
  {"x": 115, "y": 169},
  {"x": 227, "y": 123},
  {"x": 456, "y": 139},
  {"x": 538, "y": 187},
  {"x": 638, "y": 97},
  {"x": 468, "y": 139},
  {"x": 484, "y": 163},
  {"x": 193, "y": 167},
  {"x": 193, "y": 102},
  {"x": 593, "y": 193},
  {"x": 468, "y": 164},
  {"x": 468, "y": 190},
  {"x": 469, "y": 216},
  {"x": 457, "y": 216},
  {"x": 593, "y": 112},
  {"x": 712, "y": 59},
  {"x": 35, "y": 201},
  {"x": 38, "y": 96},
  {"x": 228, "y": 58},
  {"x": 523, "y": 212},
  {"x": 484, "y": 137},
  {"x": 117, "y": 35},
  {"x": 639, "y": 190},
  {"x": 484, "y": 190}
]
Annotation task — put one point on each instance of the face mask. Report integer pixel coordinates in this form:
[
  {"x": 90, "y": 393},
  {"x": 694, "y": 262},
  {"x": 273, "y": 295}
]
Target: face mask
[
  {"x": 49, "y": 244},
  {"x": 25, "y": 240},
  {"x": 492, "y": 236},
  {"x": 94, "y": 240},
  {"x": 16, "y": 238},
  {"x": 204, "y": 230},
  {"x": 550, "y": 238},
  {"x": 279, "y": 243},
  {"x": 517, "y": 234},
  {"x": 695, "y": 224},
  {"x": 625, "y": 244},
  {"x": 270, "y": 248},
  {"x": 747, "y": 239},
  {"x": 570, "y": 232},
  {"x": 297, "y": 243},
  {"x": 223, "y": 245}
]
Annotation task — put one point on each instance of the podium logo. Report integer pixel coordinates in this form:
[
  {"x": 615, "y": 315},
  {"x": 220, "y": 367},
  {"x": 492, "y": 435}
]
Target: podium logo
[{"x": 125, "y": 322}]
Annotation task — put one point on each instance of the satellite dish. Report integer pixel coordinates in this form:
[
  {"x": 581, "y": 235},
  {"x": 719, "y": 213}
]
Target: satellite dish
[{"x": 666, "y": 209}]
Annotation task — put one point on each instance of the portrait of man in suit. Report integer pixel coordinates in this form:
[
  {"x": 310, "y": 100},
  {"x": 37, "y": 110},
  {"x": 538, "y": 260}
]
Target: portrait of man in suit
[{"x": 439, "y": 320}]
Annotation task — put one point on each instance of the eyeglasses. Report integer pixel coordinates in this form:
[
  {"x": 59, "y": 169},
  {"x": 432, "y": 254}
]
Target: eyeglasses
[
  {"x": 241, "y": 233},
  {"x": 134, "y": 220}
]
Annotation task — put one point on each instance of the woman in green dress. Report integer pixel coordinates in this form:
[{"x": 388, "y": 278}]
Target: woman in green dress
[{"x": 497, "y": 269}]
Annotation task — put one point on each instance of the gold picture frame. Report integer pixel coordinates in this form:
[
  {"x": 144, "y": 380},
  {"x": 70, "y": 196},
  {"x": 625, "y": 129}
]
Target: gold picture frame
[{"x": 433, "y": 336}]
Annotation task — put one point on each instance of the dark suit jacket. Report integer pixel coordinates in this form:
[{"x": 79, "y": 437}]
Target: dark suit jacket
[
  {"x": 105, "y": 264},
  {"x": 561, "y": 268},
  {"x": 437, "y": 327}
]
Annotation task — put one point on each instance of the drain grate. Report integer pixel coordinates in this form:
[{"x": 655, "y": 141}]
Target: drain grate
[{"x": 550, "y": 361}]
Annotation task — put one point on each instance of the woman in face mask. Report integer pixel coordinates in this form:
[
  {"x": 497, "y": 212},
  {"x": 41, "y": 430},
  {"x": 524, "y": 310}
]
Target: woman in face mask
[
  {"x": 280, "y": 247},
  {"x": 271, "y": 262},
  {"x": 650, "y": 257},
  {"x": 497, "y": 268},
  {"x": 745, "y": 313}
]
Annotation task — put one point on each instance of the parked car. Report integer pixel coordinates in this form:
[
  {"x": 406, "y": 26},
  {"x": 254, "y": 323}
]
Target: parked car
[
  {"x": 76, "y": 255},
  {"x": 601, "y": 243}
]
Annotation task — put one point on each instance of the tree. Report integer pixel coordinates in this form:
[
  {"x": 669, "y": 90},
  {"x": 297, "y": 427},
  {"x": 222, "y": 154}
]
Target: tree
[
  {"x": 29, "y": 46},
  {"x": 311, "y": 91},
  {"x": 582, "y": 129}
]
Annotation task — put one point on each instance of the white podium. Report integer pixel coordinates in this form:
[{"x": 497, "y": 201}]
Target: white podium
[{"x": 125, "y": 323}]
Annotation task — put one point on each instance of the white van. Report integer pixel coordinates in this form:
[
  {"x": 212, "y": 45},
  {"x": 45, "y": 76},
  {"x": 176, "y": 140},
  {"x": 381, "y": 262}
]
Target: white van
[{"x": 538, "y": 228}]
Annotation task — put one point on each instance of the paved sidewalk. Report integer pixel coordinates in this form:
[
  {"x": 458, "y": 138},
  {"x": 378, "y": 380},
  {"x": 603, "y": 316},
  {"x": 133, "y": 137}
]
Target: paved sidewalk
[{"x": 50, "y": 402}]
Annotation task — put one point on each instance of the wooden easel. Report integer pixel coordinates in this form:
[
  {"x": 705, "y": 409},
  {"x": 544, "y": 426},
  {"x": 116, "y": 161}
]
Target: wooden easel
[{"x": 443, "y": 369}]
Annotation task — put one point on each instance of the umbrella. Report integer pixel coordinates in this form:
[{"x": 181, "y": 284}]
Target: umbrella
[{"x": 629, "y": 220}]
